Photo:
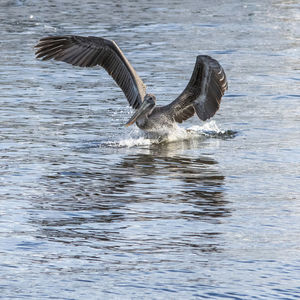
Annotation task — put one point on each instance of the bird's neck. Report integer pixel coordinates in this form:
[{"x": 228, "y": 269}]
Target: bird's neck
[{"x": 143, "y": 119}]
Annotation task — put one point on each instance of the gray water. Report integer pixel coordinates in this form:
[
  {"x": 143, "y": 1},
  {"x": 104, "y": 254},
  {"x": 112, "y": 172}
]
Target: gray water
[{"x": 90, "y": 209}]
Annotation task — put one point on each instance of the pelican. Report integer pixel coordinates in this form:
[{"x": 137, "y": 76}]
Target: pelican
[{"x": 202, "y": 94}]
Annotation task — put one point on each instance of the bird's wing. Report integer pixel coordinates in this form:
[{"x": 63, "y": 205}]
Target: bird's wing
[
  {"x": 91, "y": 51},
  {"x": 202, "y": 94}
]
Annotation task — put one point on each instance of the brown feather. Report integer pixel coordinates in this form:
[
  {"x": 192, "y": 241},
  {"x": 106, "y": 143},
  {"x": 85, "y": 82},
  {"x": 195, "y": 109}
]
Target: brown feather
[
  {"x": 92, "y": 51},
  {"x": 203, "y": 93}
]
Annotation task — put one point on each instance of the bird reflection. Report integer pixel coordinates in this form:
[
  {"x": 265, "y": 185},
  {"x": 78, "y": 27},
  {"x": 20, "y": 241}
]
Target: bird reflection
[
  {"x": 97, "y": 203},
  {"x": 172, "y": 179}
]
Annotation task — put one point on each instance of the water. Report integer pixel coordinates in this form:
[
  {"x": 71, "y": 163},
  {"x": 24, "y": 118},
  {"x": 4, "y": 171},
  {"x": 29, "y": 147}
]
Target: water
[{"x": 91, "y": 209}]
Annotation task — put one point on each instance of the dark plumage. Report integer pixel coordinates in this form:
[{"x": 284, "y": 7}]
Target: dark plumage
[{"x": 202, "y": 94}]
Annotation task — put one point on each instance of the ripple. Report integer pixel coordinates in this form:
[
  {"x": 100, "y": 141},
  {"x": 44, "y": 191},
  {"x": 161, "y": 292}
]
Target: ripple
[{"x": 208, "y": 210}]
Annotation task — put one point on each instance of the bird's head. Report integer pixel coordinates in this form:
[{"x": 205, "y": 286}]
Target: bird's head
[
  {"x": 150, "y": 99},
  {"x": 144, "y": 110}
]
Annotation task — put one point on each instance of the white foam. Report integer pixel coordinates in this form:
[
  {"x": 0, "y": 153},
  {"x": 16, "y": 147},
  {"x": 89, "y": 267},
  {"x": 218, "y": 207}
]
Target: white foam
[
  {"x": 132, "y": 142},
  {"x": 138, "y": 138},
  {"x": 206, "y": 127}
]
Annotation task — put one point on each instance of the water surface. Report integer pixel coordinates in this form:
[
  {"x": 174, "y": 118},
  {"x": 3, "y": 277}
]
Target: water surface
[{"x": 91, "y": 209}]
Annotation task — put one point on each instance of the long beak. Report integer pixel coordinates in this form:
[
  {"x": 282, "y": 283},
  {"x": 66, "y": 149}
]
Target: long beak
[{"x": 138, "y": 113}]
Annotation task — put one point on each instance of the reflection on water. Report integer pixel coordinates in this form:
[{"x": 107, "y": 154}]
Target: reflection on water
[{"x": 142, "y": 187}]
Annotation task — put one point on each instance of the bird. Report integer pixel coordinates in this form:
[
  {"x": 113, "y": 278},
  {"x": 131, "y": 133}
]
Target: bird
[{"x": 201, "y": 96}]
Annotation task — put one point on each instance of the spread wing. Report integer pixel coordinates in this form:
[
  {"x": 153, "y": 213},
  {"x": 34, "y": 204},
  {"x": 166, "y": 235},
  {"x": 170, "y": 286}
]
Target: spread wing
[
  {"x": 91, "y": 51},
  {"x": 202, "y": 94}
]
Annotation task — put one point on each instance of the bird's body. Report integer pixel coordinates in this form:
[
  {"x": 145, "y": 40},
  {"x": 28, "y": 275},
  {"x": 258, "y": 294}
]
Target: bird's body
[{"x": 202, "y": 95}]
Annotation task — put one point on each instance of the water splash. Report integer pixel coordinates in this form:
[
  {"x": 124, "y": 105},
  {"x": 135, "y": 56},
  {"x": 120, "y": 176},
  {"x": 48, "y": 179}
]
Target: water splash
[
  {"x": 138, "y": 138},
  {"x": 212, "y": 130}
]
